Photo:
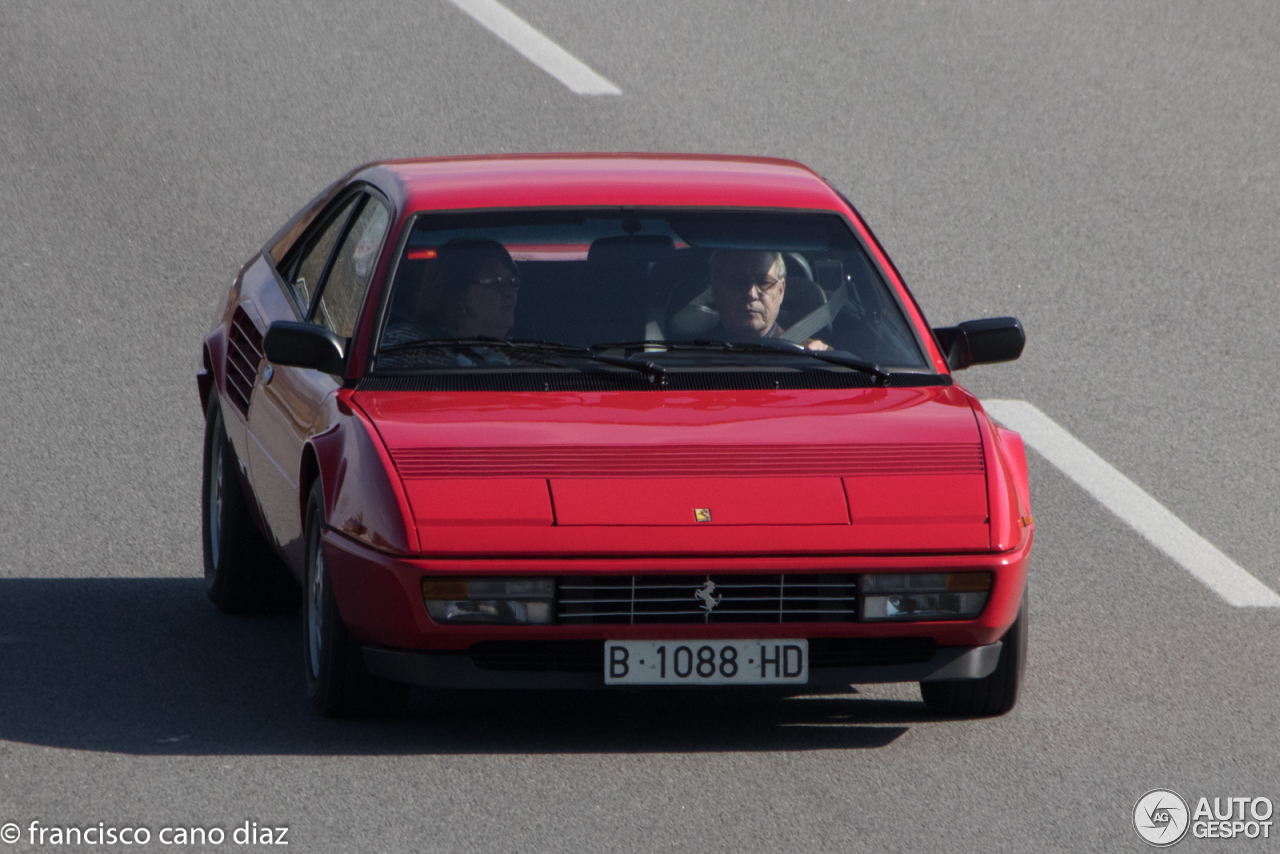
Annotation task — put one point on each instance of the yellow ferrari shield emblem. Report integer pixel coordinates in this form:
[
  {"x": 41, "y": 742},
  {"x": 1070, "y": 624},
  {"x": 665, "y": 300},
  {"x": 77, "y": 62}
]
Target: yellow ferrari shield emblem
[{"x": 702, "y": 514}]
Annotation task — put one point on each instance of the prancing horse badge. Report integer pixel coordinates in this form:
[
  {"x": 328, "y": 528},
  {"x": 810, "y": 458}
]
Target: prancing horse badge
[{"x": 702, "y": 514}]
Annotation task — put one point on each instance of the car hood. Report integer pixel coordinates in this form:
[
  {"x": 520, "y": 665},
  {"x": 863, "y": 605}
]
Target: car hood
[{"x": 733, "y": 472}]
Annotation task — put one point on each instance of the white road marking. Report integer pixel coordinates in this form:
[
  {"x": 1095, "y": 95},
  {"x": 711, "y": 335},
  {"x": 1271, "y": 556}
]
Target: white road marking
[
  {"x": 1135, "y": 507},
  {"x": 536, "y": 47}
]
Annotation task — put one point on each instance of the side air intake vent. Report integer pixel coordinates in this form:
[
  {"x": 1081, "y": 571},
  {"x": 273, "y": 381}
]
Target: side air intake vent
[{"x": 244, "y": 355}]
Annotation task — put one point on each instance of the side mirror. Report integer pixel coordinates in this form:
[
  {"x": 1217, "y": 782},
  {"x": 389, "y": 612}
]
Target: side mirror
[
  {"x": 981, "y": 342},
  {"x": 305, "y": 345}
]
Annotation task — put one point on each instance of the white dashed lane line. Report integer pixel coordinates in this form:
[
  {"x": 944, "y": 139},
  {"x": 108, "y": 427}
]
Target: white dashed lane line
[
  {"x": 1135, "y": 507},
  {"x": 536, "y": 47}
]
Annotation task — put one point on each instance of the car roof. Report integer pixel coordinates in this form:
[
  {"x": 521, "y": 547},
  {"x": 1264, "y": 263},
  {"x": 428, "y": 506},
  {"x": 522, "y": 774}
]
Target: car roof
[{"x": 600, "y": 180}]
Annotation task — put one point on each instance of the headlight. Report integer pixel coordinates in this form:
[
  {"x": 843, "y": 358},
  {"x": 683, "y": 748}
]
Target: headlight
[
  {"x": 924, "y": 595},
  {"x": 514, "y": 601}
]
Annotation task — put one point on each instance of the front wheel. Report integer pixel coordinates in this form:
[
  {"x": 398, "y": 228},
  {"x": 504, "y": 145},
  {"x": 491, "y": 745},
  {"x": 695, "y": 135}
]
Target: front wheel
[
  {"x": 242, "y": 575},
  {"x": 337, "y": 682},
  {"x": 990, "y": 696}
]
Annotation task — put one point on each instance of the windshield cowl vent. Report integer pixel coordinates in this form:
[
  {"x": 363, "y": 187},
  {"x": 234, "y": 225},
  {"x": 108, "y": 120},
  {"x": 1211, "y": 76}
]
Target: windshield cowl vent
[{"x": 244, "y": 356}]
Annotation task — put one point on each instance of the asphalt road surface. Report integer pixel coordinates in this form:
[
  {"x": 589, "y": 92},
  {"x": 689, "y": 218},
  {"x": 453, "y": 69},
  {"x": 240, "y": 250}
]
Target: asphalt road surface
[{"x": 1106, "y": 171}]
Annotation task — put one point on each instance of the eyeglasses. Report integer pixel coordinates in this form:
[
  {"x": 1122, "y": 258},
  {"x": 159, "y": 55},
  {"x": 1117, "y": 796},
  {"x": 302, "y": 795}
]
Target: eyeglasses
[
  {"x": 745, "y": 284},
  {"x": 496, "y": 282}
]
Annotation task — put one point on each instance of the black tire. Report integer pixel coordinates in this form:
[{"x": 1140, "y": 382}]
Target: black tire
[
  {"x": 242, "y": 575},
  {"x": 994, "y": 695},
  {"x": 337, "y": 682}
]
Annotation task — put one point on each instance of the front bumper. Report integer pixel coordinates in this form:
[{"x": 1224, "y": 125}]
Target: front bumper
[
  {"x": 460, "y": 670},
  {"x": 379, "y": 597}
]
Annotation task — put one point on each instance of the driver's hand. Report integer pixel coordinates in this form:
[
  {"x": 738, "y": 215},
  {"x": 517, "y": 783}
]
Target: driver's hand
[{"x": 815, "y": 344}]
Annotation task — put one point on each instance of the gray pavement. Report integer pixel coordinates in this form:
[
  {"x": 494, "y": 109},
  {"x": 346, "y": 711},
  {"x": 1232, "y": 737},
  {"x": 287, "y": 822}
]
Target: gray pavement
[{"x": 1106, "y": 172}]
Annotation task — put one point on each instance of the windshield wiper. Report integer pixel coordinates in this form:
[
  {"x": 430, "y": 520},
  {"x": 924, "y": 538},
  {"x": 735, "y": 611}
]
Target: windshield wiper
[
  {"x": 655, "y": 373},
  {"x": 477, "y": 341},
  {"x": 765, "y": 345}
]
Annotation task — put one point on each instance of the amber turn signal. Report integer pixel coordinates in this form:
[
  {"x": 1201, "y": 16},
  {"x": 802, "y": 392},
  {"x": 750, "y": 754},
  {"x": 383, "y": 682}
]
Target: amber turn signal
[
  {"x": 968, "y": 582},
  {"x": 444, "y": 588}
]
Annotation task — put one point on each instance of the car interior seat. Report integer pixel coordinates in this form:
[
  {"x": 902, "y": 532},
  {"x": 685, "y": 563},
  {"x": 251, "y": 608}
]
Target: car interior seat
[
  {"x": 409, "y": 282},
  {"x": 674, "y": 283},
  {"x": 803, "y": 296}
]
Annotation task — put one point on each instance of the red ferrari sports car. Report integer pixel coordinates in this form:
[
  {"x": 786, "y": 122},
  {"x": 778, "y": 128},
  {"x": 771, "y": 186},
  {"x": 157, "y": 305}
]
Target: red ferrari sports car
[{"x": 611, "y": 421}]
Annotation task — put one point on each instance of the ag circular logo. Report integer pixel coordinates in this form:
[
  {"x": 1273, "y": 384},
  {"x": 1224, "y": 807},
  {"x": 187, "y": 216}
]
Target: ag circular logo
[{"x": 1161, "y": 817}]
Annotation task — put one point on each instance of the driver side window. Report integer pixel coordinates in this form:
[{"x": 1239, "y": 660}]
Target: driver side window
[
  {"x": 352, "y": 268},
  {"x": 310, "y": 265}
]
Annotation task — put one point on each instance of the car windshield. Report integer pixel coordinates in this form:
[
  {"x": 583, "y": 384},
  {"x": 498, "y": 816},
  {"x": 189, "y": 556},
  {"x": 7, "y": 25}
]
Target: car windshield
[{"x": 672, "y": 291}]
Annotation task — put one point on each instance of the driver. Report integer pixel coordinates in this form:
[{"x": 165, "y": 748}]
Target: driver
[{"x": 748, "y": 287}]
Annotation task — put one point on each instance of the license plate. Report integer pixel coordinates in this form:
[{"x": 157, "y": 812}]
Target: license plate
[{"x": 719, "y": 662}]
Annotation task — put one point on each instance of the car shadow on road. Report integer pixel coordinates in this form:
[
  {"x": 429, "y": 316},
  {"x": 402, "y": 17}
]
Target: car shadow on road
[{"x": 147, "y": 666}]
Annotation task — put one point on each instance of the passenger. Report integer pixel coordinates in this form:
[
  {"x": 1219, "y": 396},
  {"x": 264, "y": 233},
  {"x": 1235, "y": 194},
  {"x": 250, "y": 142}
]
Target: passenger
[
  {"x": 469, "y": 291},
  {"x": 748, "y": 287}
]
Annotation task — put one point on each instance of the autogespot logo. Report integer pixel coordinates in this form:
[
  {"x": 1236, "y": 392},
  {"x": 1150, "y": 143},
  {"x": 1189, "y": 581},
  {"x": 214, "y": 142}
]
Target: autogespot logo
[{"x": 1160, "y": 817}]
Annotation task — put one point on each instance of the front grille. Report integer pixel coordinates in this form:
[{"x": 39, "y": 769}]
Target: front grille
[
  {"x": 674, "y": 599},
  {"x": 587, "y": 656}
]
